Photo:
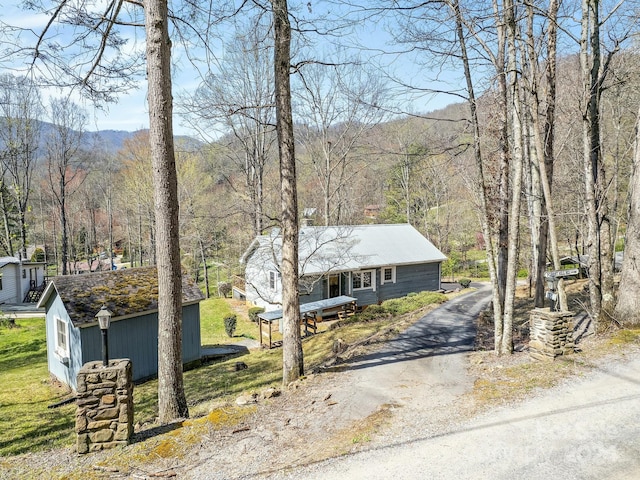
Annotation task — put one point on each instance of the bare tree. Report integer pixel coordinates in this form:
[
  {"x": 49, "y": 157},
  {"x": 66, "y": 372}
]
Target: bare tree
[
  {"x": 65, "y": 162},
  {"x": 594, "y": 72},
  {"x": 237, "y": 96},
  {"x": 628, "y": 303},
  {"x": 338, "y": 102},
  {"x": 94, "y": 48},
  {"x": 172, "y": 401},
  {"x": 22, "y": 110}
]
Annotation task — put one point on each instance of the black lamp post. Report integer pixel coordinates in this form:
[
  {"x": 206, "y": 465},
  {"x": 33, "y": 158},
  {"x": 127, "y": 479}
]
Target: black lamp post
[{"x": 104, "y": 318}]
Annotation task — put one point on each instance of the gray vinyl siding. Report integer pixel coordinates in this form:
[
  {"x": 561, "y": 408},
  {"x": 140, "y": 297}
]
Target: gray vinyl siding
[
  {"x": 319, "y": 292},
  {"x": 410, "y": 278},
  {"x": 320, "y": 289}
]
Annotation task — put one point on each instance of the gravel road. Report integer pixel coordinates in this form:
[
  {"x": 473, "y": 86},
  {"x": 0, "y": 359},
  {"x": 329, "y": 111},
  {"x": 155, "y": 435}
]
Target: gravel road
[{"x": 587, "y": 428}]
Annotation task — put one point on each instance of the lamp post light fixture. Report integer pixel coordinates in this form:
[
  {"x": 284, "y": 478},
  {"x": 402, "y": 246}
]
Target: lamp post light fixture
[{"x": 104, "y": 319}]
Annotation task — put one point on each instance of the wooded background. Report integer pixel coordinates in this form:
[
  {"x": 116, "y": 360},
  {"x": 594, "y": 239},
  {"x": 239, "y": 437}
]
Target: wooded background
[{"x": 533, "y": 159}]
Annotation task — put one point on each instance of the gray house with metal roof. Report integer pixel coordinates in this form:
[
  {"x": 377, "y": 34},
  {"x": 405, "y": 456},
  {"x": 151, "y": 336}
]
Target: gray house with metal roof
[
  {"x": 371, "y": 263},
  {"x": 73, "y": 335}
]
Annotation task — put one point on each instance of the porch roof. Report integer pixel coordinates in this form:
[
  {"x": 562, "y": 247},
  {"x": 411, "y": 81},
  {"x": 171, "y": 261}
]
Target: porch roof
[{"x": 316, "y": 306}]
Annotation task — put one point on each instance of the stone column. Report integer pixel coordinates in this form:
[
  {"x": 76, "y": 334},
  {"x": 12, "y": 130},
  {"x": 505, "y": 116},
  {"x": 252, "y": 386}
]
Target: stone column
[
  {"x": 104, "y": 414},
  {"x": 551, "y": 334}
]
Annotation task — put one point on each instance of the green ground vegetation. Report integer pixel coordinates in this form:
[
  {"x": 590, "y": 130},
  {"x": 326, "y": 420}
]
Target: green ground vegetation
[
  {"x": 213, "y": 311},
  {"x": 28, "y": 424}
]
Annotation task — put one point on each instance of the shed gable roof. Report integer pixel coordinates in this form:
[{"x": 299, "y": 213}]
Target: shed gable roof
[
  {"x": 4, "y": 261},
  {"x": 125, "y": 293}
]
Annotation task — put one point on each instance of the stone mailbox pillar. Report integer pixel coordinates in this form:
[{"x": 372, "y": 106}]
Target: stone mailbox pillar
[
  {"x": 551, "y": 334},
  {"x": 104, "y": 414}
]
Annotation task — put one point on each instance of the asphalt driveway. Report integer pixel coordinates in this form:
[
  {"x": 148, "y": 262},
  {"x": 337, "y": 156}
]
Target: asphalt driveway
[{"x": 586, "y": 428}]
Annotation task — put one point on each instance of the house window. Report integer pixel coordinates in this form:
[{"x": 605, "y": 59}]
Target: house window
[
  {"x": 388, "y": 275},
  {"x": 24, "y": 273},
  {"x": 62, "y": 338},
  {"x": 362, "y": 280},
  {"x": 272, "y": 279}
]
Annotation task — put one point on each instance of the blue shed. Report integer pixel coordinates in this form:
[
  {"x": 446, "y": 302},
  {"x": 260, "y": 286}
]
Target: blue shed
[{"x": 73, "y": 335}]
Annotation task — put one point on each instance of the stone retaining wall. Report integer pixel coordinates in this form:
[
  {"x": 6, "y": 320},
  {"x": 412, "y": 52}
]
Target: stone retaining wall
[
  {"x": 104, "y": 414},
  {"x": 551, "y": 334}
]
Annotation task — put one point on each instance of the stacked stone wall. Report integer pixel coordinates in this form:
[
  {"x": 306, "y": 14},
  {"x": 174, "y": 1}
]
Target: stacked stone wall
[
  {"x": 551, "y": 334},
  {"x": 104, "y": 414}
]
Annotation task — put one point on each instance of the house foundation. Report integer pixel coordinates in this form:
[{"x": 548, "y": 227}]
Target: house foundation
[
  {"x": 104, "y": 413},
  {"x": 551, "y": 334}
]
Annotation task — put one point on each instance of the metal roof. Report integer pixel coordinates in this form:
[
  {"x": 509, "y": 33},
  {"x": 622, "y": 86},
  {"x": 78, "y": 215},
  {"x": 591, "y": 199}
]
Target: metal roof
[
  {"x": 351, "y": 247},
  {"x": 317, "y": 306}
]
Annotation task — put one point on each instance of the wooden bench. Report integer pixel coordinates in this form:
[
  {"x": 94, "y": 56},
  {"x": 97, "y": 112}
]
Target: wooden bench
[{"x": 347, "y": 311}]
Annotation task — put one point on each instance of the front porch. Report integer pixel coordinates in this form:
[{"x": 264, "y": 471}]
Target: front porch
[{"x": 310, "y": 314}]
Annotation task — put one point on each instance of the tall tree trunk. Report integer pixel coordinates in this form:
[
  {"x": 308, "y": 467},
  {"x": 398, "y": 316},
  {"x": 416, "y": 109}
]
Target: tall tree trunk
[
  {"x": 544, "y": 150},
  {"x": 172, "y": 402},
  {"x": 504, "y": 188},
  {"x": 205, "y": 267},
  {"x": 64, "y": 250},
  {"x": 600, "y": 243},
  {"x": 482, "y": 187},
  {"x": 514, "y": 98},
  {"x": 292, "y": 358},
  {"x": 627, "y": 310},
  {"x": 6, "y": 222}
]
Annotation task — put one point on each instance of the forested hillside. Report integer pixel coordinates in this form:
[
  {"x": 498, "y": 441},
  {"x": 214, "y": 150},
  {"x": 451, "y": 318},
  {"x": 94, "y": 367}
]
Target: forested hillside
[{"x": 532, "y": 160}]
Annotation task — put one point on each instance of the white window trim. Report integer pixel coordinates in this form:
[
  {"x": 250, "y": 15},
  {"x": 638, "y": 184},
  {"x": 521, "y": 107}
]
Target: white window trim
[
  {"x": 373, "y": 280},
  {"x": 62, "y": 352},
  {"x": 393, "y": 275},
  {"x": 275, "y": 280}
]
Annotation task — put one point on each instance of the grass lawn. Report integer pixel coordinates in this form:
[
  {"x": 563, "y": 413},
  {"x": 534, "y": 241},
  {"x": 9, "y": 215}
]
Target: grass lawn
[
  {"x": 212, "y": 314},
  {"x": 28, "y": 425},
  {"x": 26, "y": 422}
]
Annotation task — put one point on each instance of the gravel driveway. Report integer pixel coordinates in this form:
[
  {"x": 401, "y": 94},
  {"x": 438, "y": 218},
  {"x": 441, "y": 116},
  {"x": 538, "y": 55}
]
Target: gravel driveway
[{"x": 587, "y": 428}]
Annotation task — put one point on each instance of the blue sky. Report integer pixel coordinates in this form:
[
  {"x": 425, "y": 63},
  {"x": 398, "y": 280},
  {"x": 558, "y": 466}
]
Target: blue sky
[{"x": 130, "y": 112}]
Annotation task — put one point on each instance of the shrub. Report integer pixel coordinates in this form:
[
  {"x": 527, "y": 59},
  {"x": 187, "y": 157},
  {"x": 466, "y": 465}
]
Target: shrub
[
  {"x": 393, "y": 306},
  {"x": 224, "y": 288},
  {"x": 230, "y": 323},
  {"x": 372, "y": 312},
  {"x": 38, "y": 255},
  {"x": 375, "y": 309},
  {"x": 464, "y": 282},
  {"x": 253, "y": 313}
]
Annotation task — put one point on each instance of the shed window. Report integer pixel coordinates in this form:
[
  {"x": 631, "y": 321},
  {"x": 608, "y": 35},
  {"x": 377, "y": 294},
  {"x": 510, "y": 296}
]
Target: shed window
[
  {"x": 62, "y": 338},
  {"x": 362, "y": 280}
]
